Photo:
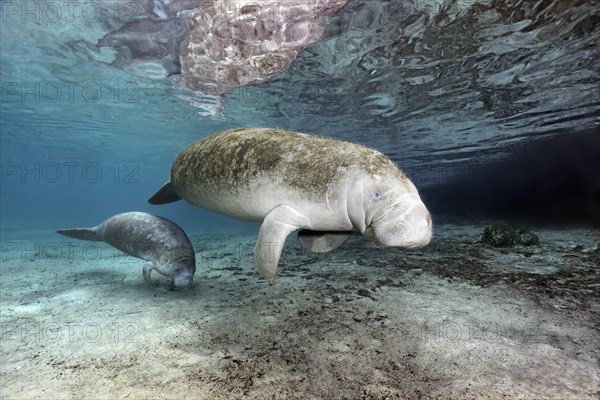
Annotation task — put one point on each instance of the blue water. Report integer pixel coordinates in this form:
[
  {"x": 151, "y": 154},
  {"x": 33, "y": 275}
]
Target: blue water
[
  {"x": 490, "y": 107},
  {"x": 438, "y": 94}
]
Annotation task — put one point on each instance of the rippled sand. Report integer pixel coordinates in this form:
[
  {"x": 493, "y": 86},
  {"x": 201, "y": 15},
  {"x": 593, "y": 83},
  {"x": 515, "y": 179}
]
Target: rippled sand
[{"x": 455, "y": 320}]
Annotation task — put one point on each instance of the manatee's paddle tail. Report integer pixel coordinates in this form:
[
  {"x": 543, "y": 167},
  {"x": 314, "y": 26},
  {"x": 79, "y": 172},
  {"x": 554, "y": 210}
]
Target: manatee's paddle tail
[
  {"x": 81, "y": 234},
  {"x": 166, "y": 194}
]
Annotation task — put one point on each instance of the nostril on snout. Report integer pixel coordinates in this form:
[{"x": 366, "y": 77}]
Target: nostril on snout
[{"x": 425, "y": 223}]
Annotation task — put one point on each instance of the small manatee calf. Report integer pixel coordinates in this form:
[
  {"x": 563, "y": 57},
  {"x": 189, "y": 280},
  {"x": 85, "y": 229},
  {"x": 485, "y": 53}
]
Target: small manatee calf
[
  {"x": 157, "y": 240},
  {"x": 327, "y": 189}
]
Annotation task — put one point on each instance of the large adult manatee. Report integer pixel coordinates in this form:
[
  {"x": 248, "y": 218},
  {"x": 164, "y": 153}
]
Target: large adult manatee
[{"x": 290, "y": 181}]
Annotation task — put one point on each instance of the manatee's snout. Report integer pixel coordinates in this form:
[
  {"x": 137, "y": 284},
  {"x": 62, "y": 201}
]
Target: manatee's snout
[
  {"x": 409, "y": 228},
  {"x": 182, "y": 273},
  {"x": 183, "y": 281},
  {"x": 419, "y": 229}
]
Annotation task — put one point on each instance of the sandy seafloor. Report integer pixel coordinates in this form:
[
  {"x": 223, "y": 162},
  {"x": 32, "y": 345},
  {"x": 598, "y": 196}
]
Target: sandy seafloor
[{"x": 455, "y": 320}]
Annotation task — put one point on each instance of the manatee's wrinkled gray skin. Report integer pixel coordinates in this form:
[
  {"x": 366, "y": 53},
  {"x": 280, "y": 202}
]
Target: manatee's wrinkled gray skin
[
  {"x": 290, "y": 181},
  {"x": 157, "y": 240}
]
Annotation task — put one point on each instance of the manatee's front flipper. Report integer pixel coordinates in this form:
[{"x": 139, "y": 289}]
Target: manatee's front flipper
[
  {"x": 322, "y": 242},
  {"x": 276, "y": 227},
  {"x": 81, "y": 234},
  {"x": 166, "y": 194},
  {"x": 148, "y": 267}
]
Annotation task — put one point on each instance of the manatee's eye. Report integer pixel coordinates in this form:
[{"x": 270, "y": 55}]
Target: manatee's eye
[{"x": 376, "y": 196}]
